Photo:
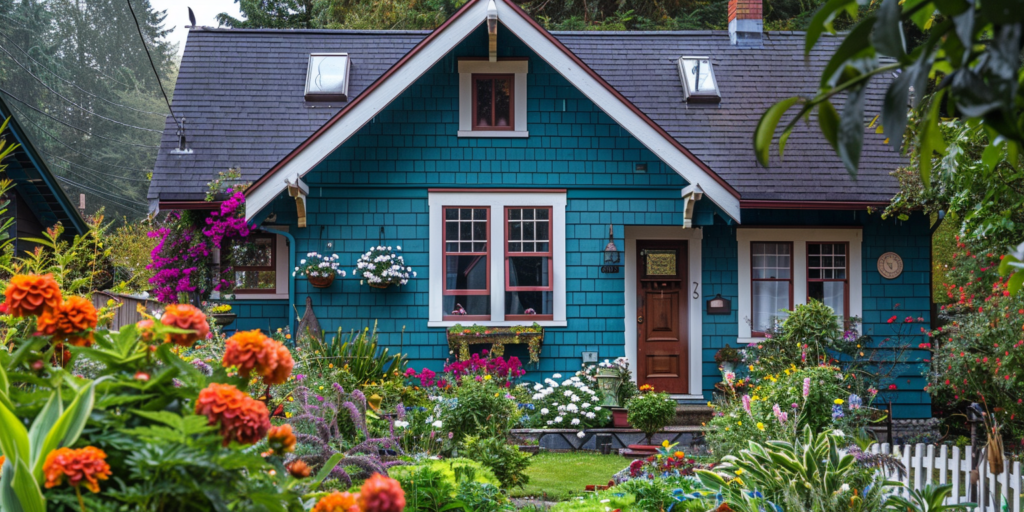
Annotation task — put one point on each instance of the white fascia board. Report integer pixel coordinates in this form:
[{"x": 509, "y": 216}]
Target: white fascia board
[
  {"x": 368, "y": 107},
  {"x": 618, "y": 111}
]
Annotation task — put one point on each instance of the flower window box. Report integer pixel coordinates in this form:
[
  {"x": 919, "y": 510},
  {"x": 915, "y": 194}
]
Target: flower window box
[{"x": 460, "y": 338}]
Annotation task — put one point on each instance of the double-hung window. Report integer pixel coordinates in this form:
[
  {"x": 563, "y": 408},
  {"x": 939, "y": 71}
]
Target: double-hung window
[
  {"x": 497, "y": 257},
  {"x": 781, "y": 268}
]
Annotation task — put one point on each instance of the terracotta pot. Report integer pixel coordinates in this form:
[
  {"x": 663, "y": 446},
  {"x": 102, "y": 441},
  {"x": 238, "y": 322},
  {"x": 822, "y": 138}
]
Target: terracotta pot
[
  {"x": 382, "y": 286},
  {"x": 620, "y": 417},
  {"x": 223, "y": 319},
  {"x": 321, "y": 282}
]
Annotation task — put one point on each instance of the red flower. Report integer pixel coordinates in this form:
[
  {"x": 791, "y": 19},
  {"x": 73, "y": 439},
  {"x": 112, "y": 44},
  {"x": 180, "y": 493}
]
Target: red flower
[
  {"x": 185, "y": 316},
  {"x": 84, "y": 465},
  {"x": 30, "y": 294},
  {"x": 252, "y": 351},
  {"x": 381, "y": 494},
  {"x": 893, "y": 319},
  {"x": 892, "y": 387}
]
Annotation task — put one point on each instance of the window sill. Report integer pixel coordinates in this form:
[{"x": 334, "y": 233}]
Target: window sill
[
  {"x": 505, "y": 323},
  {"x": 259, "y": 296},
  {"x": 495, "y": 134},
  {"x": 750, "y": 340}
]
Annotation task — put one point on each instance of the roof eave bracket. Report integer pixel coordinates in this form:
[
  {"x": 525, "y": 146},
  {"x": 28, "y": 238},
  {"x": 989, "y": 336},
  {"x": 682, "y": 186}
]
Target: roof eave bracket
[
  {"x": 691, "y": 195},
  {"x": 299, "y": 190}
]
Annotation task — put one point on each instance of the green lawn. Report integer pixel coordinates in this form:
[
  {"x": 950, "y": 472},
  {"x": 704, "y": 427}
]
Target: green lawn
[{"x": 562, "y": 475}]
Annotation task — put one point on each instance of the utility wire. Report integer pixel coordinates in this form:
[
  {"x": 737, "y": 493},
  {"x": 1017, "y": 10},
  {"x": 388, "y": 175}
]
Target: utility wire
[
  {"x": 69, "y": 82},
  {"x": 153, "y": 66},
  {"x": 131, "y": 205},
  {"x": 66, "y": 145},
  {"x": 98, "y": 72},
  {"x": 73, "y": 127},
  {"x": 76, "y": 105},
  {"x": 90, "y": 169}
]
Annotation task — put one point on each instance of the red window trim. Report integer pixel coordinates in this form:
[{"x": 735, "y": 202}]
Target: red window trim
[
  {"x": 846, "y": 282},
  {"x": 550, "y": 254},
  {"x": 511, "y": 101},
  {"x": 761, "y": 334},
  {"x": 446, "y": 315},
  {"x": 260, "y": 268}
]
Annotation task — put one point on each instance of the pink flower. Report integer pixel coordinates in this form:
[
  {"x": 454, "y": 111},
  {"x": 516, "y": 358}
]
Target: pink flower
[
  {"x": 746, "y": 403},
  {"x": 807, "y": 387}
]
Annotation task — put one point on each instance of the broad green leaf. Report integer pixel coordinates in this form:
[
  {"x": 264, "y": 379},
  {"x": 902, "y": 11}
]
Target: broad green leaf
[
  {"x": 44, "y": 423},
  {"x": 26, "y": 488},
  {"x": 783, "y": 139},
  {"x": 8, "y": 500},
  {"x": 14, "y": 441},
  {"x": 930, "y": 140},
  {"x": 326, "y": 470},
  {"x": 1015, "y": 282},
  {"x": 828, "y": 120},
  {"x": 5, "y": 383},
  {"x": 992, "y": 155},
  {"x": 766, "y": 128},
  {"x": 165, "y": 417},
  {"x": 851, "y": 130},
  {"x": 887, "y": 35},
  {"x": 856, "y": 44},
  {"x": 821, "y": 18},
  {"x": 68, "y": 427}
]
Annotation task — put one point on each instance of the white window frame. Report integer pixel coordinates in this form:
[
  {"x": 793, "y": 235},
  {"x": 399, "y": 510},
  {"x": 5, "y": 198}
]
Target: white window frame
[
  {"x": 281, "y": 269},
  {"x": 799, "y": 237},
  {"x": 468, "y": 68},
  {"x": 497, "y": 201}
]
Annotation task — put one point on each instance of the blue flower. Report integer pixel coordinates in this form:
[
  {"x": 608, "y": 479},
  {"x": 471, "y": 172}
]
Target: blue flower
[{"x": 837, "y": 412}]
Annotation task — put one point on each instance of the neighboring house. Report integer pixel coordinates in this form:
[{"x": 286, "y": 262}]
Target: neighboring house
[
  {"x": 438, "y": 134},
  {"x": 37, "y": 201}
]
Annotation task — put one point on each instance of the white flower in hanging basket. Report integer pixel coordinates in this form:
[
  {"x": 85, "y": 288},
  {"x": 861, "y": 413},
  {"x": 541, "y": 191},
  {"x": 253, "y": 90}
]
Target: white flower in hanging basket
[
  {"x": 380, "y": 267},
  {"x": 319, "y": 265}
]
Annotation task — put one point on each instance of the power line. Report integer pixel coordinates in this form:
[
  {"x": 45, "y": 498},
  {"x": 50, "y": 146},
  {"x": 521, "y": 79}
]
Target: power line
[
  {"x": 98, "y": 72},
  {"x": 73, "y": 127},
  {"x": 76, "y": 105},
  {"x": 131, "y": 205},
  {"x": 153, "y": 66},
  {"x": 57, "y": 75},
  {"x": 66, "y": 145},
  {"x": 101, "y": 173}
]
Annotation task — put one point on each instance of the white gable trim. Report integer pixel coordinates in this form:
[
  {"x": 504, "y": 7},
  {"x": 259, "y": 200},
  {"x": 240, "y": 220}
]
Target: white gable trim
[{"x": 440, "y": 45}]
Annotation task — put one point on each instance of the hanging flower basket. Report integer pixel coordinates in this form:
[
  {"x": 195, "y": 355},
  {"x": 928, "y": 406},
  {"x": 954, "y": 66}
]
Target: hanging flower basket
[
  {"x": 382, "y": 266},
  {"x": 321, "y": 281}
]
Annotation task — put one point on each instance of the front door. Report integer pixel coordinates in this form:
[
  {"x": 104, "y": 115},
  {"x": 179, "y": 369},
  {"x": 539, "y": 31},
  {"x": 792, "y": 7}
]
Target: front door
[{"x": 661, "y": 317}]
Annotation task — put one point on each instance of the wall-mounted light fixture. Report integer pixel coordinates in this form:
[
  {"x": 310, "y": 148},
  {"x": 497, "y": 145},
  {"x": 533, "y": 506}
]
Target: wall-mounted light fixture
[{"x": 611, "y": 255}]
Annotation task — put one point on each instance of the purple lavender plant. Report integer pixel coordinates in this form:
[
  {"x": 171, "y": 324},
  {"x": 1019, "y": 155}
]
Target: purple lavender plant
[{"x": 319, "y": 428}]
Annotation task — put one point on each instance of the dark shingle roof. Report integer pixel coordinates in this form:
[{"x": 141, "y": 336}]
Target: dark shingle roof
[{"x": 241, "y": 94}]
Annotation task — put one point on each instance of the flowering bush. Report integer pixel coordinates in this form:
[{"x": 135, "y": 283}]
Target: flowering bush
[
  {"x": 319, "y": 265},
  {"x": 381, "y": 267},
  {"x": 649, "y": 411},
  {"x": 569, "y": 404}
]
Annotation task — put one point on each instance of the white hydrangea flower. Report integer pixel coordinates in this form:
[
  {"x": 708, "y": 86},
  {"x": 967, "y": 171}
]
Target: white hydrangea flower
[
  {"x": 580, "y": 434},
  {"x": 558, "y": 419},
  {"x": 575, "y": 421},
  {"x": 556, "y": 376},
  {"x": 544, "y": 411}
]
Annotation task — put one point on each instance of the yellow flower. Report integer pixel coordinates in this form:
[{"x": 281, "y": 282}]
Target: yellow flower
[
  {"x": 487, "y": 377},
  {"x": 739, "y": 471},
  {"x": 737, "y": 481},
  {"x": 665, "y": 443},
  {"x": 760, "y": 426},
  {"x": 330, "y": 365},
  {"x": 838, "y": 401},
  {"x": 751, "y": 367},
  {"x": 740, "y": 423},
  {"x": 290, "y": 399},
  {"x": 287, "y": 415},
  {"x": 321, "y": 388},
  {"x": 287, "y": 336}
]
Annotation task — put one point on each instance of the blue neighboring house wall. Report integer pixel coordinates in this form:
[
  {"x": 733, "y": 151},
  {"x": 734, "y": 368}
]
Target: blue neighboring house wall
[{"x": 381, "y": 176}]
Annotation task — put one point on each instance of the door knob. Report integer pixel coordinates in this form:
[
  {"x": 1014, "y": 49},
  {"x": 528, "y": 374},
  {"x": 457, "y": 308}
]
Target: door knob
[{"x": 639, "y": 319}]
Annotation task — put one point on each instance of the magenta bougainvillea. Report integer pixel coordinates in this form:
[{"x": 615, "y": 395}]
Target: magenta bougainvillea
[{"x": 181, "y": 258}]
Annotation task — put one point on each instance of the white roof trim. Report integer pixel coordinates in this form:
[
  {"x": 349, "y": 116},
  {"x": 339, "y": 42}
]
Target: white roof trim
[{"x": 380, "y": 97}]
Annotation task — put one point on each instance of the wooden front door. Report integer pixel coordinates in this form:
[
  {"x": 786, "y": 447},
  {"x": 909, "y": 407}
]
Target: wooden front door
[{"x": 661, "y": 316}]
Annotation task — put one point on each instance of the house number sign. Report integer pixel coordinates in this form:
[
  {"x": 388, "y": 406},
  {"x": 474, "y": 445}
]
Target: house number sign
[{"x": 890, "y": 265}]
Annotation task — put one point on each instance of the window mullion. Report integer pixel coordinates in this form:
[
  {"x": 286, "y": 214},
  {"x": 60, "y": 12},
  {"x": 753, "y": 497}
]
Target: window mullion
[{"x": 498, "y": 255}]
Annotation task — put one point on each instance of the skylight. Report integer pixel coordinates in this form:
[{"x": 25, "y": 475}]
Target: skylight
[
  {"x": 327, "y": 77},
  {"x": 698, "y": 79}
]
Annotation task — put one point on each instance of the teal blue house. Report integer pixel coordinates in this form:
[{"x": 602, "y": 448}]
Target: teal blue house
[{"x": 506, "y": 161}]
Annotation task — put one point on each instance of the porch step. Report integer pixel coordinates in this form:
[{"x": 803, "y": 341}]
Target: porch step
[{"x": 691, "y": 415}]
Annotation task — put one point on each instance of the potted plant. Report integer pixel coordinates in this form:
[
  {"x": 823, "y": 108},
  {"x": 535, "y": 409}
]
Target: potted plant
[
  {"x": 319, "y": 269},
  {"x": 222, "y": 314},
  {"x": 650, "y": 412},
  {"x": 382, "y": 267},
  {"x": 727, "y": 358}
]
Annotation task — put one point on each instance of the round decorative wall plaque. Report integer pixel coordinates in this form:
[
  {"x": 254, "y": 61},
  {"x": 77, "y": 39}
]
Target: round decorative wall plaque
[{"x": 890, "y": 265}]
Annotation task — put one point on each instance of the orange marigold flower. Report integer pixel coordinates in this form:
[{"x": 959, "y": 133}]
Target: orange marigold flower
[
  {"x": 299, "y": 469},
  {"x": 251, "y": 351},
  {"x": 69, "y": 322},
  {"x": 241, "y": 418},
  {"x": 2, "y": 459},
  {"x": 145, "y": 328},
  {"x": 281, "y": 439},
  {"x": 84, "y": 465},
  {"x": 381, "y": 494},
  {"x": 30, "y": 294},
  {"x": 185, "y": 316},
  {"x": 338, "y": 502}
]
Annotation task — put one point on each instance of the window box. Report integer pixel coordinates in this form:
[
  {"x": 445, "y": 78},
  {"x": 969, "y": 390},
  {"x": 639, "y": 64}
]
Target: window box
[{"x": 460, "y": 338}]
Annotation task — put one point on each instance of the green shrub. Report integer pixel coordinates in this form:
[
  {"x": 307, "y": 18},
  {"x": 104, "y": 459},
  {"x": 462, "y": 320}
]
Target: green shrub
[
  {"x": 480, "y": 407},
  {"x": 649, "y": 412},
  {"x": 505, "y": 460},
  {"x": 810, "y": 335},
  {"x": 450, "y": 469},
  {"x": 480, "y": 497}
]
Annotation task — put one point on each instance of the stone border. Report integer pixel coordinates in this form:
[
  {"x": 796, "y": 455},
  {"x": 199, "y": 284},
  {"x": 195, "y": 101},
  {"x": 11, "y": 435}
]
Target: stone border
[{"x": 567, "y": 440}]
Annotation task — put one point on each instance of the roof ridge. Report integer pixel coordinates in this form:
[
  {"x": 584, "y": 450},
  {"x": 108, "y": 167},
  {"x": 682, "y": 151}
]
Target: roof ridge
[{"x": 304, "y": 31}]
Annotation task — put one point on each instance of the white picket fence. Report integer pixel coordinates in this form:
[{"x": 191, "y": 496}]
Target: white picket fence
[{"x": 953, "y": 466}]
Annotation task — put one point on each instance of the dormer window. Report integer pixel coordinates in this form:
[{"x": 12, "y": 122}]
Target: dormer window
[
  {"x": 493, "y": 102},
  {"x": 698, "y": 79},
  {"x": 327, "y": 77}
]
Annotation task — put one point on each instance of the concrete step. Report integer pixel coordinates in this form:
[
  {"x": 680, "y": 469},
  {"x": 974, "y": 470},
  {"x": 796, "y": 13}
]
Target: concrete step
[{"x": 692, "y": 415}]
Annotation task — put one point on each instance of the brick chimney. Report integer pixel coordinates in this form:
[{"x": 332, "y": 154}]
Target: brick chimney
[{"x": 746, "y": 22}]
